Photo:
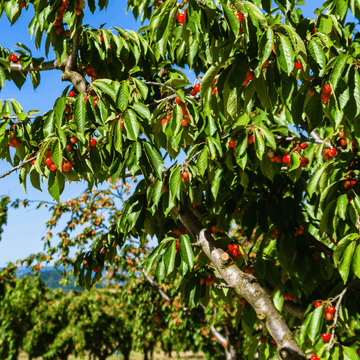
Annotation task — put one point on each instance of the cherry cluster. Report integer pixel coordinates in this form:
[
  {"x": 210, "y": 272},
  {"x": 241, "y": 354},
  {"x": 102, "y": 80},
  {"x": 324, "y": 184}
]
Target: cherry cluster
[{"x": 234, "y": 251}]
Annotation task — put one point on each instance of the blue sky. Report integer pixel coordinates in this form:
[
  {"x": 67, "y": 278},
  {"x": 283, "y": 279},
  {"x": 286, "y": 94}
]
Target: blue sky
[{"x": 22, "y": 236}]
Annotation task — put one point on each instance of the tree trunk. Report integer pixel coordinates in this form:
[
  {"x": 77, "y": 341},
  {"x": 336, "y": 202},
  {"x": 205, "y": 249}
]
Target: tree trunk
[{"x": 145, "y": 353}]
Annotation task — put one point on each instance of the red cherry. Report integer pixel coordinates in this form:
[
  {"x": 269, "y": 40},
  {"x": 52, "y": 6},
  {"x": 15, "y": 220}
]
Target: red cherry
[
  {"x": 230, "y": 247},
  {"x": 286, "y": 158},
  {"x": 101, "y": 39},
  {"x": 304, "y": 162},
  {"x": 326, "y": 337},
  {"x": 214, "y": 91},
  {"x": 78, "y": 11},
  {"x": 197, "y": 87},
  {"x": 185, "y": 176},
  {"x": 163, "y": 121},
  {"x": 314, "y": 357},
  {"x": 58, "y": 30},
  {"x": 232, "y": 144},
  {"x": 317, "y": 304},
  {"x": 236, "y": 247},
  {"x": 239, "y": 17},
  {"x": 303, "y": 145},
  {"x": 332, "y": 152},
  {"x": 180, "y": 18},
  {"x": 67, "y": 108},
  {"x": 326, "y": 89},
  {"x": 92, "y": 142},
  {"x": 298, "y": 66},
  {"x": 193, "y": 92},
  {"x": 13, "y": 58},
  {"x": 358, "y": 351},
  {"x": 234, "y": 253},
  {"x": 178, "y": 101},
  {"x": 48, "y": 161},
  {"x": 67, "y": 166},
  {"x": 47, "y": 153},
  {"x": 52, "y": 167},
  {"x": 122, "y": 126},
  {"x": 343, "y": 142},
  {"x": 73, "y": 140},
  {"x": 22, "y": 4},
  {"x": 71, "y": 93},
  {"x": 69, "y": 148},
  {"x": 341, "y": 134},
  {"x": 184, "y": 123},
  {"x": 331, "y": 310}
]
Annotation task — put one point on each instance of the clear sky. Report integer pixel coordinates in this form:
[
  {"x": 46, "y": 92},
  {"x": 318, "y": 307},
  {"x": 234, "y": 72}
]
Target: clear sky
[{"x": 22, "y": 236}]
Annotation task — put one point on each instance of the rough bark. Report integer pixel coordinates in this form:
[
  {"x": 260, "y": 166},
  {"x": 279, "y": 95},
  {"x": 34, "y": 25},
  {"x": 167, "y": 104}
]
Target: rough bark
[{"x": 244, "y": 285}]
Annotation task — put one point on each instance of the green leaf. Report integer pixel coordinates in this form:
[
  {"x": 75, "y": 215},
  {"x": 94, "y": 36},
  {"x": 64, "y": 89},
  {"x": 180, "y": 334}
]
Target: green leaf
[
  {"x": 17, "y": 108},
  {"x": 317, "y": 55},
  {"x": 209, "y": 76},
  {"x": 350, "y": 353},
  {"x": 215, "y": 183},
  {"x": 175, "y": 183},
  {"x": 356, "y": 262},
  {"x": 315, "y": 326},
  {"x": 2, "y": 77},
  {"x": 231, "y": 20},
  {"x": 142, "y": 110},
  {"x": 56, "y": 154},
  {"x": 153, "y": 257},
  {"x": 186, "y": 251},
  {"x": 123, "y": 96},
  {"x": 35, "y": 179},
  {"x": 142, "y": 87},
  {"x": 155, "y": 159},
  {"x": 295, "y": 161},
  {"x": 312, "y": 186},
  {"x": 259, "y": 144},
  {"x": 338, "y": 70},
  {"x": 80, "y": 112},
  {"x": 277, "y": 297},
  {"x": 169, "y": 257},
  {"x": 346, "y": 259},
  {"x": 341, "y": 205},
  {"x": 132, "y": 126},
  {"x": 269, "y": 136},
  {"x": 202, "y": 160},
  {"x": 265, "y": 48},
  {"x": 286, "y": 57},
  {"x": 106, "y": 86}
]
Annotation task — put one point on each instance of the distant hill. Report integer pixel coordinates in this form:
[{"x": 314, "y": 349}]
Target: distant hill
[{"x": 51, "y": 277}]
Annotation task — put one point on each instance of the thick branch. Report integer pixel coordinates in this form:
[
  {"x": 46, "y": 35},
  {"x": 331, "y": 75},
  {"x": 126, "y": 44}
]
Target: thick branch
[
  {"x": 321, "y": 247},
  {"x": 74, "y": 51},
  {"x": 49, "y": 65},
  {"x": 246, "y": 286},
  {"x": 17, "y": 167}
]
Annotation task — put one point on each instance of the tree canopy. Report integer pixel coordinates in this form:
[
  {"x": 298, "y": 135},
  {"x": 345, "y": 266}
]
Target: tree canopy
[{"x": 250, "y": 174}]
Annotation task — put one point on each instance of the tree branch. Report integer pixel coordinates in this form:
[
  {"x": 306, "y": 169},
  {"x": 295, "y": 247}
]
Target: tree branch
[
  {"x": 245, "y": 285},
  {"x": 75, "y": 50},
  {"x": 336, "y": 317},
  {"x": 160, "y": 84},
  {"x": 18, "y": 167},
  {"x": 153, "y": 283},
  {"x": 49, "y": 65}
]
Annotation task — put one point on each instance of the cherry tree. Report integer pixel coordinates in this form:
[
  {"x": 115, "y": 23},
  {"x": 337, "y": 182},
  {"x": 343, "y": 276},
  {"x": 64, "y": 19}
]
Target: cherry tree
[{"x": 261, "y": 150}]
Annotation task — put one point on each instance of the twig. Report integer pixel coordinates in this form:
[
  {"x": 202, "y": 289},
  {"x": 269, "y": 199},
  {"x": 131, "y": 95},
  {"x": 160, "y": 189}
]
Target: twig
[
  {"x": 322, "y": 247},
  {"x": 156, "y": 102},
  {"x": 221, "y": 286},
  {"x": 17, "y": 167},
  {"x": 197, "y": 244},
  {"x": 153, "y": 283},
  {"x": 160, "y": 84},
  {"x": 336, "y": 317}
]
